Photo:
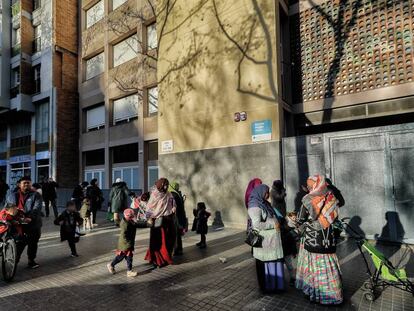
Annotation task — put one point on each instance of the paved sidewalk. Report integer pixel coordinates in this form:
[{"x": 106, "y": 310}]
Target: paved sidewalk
[{"x": 198, "y": 280}]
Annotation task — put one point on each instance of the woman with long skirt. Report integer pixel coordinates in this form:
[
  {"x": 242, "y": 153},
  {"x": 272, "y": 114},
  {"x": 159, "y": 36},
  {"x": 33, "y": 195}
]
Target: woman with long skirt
[
  {"x": 318, "y": 273},
  {"x": 269, "y": 256},
  {"x": 161, "y": 208}
]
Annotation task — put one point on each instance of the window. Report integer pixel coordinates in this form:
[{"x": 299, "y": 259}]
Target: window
[
  {"x": 37, "y": 42},
  {"x": 95, "y": 157},
  {"x": 128, "y": 174},
  {"x": 15, "y": 78},
  {"x": 19, "y": 170},
  {"x": 125, "y": 50},
  {"x": 16, "y": 36},
  {"x": 125, "y": 109},
  {"x": 37, "y": 80},
  {"x": 94, "y": 66},
  {"x": 36, "y": 4},
  {"x": 95, "y": 14},
  {"x": 98, "y": 174},
  {"x": 95, "y": 118},
  {"x": 153, "y": 150},
  {"x": 152, "y": 40},
  {"x": 42, "y": 170},
  {"x": 152, "y": 175},
  {"x": 42, "y": 123},
  {"x": 125, "y": 153},
  {"x": 117, "y": 3},
  {"x": 152, "y": 100}
]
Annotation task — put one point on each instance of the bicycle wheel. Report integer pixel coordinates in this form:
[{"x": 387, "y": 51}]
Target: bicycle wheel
[{"x": 9, "y": 264}]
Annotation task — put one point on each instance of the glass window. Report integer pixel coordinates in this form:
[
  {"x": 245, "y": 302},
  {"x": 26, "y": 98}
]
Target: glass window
[
  {"x": 42, "y": 170},
  {"x": 125, "y": 108},
  {"x": 95, "y": 66},
  {"x": 117, "y": 174},
  {"x": 16, "y": 36},
  {"x": 152, "y": 176},
  {"x": 125, "y": 153},
  {"x": 37, "y": 80},
  {"x": 36, "y": 4},
  {"x": 37, "y": 46},
  {"x": 135, "y": 178},
  {"x": 127, "y": 174},
  {"x": 152, "y": 40},
  {"x": 125, "y": 50},
  {"x": 117, "y": 3},
  {"x": 152, "y": 100},
  {"x": 95, "y": 118},
  {"x": 17, "y": 171},
  {"x": 95, "y": 157},
  {"x": 15, "y": 76},
  {"x": 42, "y": 123},
  {"x": 98, "y": 174},
  {"x": 95, "y": 14}
]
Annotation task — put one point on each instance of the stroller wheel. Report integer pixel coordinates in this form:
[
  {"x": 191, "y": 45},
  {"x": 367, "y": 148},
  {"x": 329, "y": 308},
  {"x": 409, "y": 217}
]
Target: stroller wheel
[
  {"x": 368, "y": 285},
  {"x": 369, "y": 296}
]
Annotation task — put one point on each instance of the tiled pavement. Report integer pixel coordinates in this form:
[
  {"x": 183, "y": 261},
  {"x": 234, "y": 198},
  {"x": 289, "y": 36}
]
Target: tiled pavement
[{"x": 198, "y": 280}]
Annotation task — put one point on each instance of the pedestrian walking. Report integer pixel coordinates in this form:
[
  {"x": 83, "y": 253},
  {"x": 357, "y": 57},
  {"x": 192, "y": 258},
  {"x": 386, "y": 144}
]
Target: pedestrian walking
[
  {"x": 318, "y": 272},
  {"x": 4, "y": 187},
  {"x": 181, "y": 217},
  {"x": 118, "y": 198},
  {"x": 200, "y": 225},
  {"x": 94, "y": 194},
  {"x": 252, "y": 184},
  {"x": 50, "y": 196},
  {"x": 160, "y": 214},
  {"x": 278, "y": 195},
  {"x": 269, "y": 256},
  {"x": 79, "y": 193},
  {"x": 30, "y": 202},
  {"x": 85, "y": 213},
  {"x": 69, "y": 221},
  {"x": 126, "y": 243}
]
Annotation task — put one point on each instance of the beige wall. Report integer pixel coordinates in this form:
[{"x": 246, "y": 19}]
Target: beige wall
[{"x": 204, "y": 77}]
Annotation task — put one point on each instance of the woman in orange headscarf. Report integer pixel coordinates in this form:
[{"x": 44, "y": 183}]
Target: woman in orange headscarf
[{"x": 318, "y": 273}]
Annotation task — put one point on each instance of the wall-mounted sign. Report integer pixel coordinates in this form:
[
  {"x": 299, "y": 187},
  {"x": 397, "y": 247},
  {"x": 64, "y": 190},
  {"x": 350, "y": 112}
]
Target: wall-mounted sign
[
  {"x": 42, "y": 155},
  {"x": 167, "y": 146},
  {"x": 316, "y": 140},
  {"x": 261, "y": 130},
  {"x": 20, "y": 159}
]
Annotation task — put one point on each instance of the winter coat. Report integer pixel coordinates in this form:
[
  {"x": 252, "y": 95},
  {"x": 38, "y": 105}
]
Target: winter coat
[
  {"x": 127, "y": 235},
  {"x": 180, "y": 211},
  {"x": 68, "y": 228},
  {"x": 78, "y": 193},
  {"x": 200, "y": 221},
  {"x": 94, "y": 194},
  {"x": 85, "y": 210},
  {"x": 49, "y": 190},
  {"x": 118, "y": 197},
  {"x": 32, "y": 208}
]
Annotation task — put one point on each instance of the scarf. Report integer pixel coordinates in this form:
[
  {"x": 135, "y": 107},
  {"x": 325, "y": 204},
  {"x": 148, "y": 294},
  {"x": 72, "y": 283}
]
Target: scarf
[
  {"x": 320, "y": 201},
  {"x": 160, "y": 204},
  {"x": 252, "y": 184},
  {"x": 174, "y": 187},
  {"x": 257, "y": 199}
]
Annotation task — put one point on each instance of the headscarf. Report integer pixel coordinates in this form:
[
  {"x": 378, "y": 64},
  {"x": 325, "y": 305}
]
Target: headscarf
[
  {"x": 257, "y": 199},
  {"x": 161, "y": 202},
  {"x": 252, "y": 184},
  {"x": 174, "y": 187},
  {"x": 320, "y": 201}
]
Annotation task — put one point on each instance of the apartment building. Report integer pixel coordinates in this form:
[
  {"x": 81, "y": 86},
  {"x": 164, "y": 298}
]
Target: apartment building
[
  {"x": 118, "y": 92},
  {"x": 38, "y": 93}
]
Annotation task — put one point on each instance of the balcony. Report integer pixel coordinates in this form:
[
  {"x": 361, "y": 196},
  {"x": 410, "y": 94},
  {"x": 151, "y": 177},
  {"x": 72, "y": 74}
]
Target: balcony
[
  {"x": 37, "y": 45},
  {"x": 15, "y": 50}
]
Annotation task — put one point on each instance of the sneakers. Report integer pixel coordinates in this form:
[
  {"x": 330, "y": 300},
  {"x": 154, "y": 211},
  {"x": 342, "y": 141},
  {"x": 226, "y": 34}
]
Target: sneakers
[
  {"x": 33, "y": 265},
  {"x": 111, "y": 269},
  {"x": 132, "y": 274},
  {"x": 74, "y": 255}
]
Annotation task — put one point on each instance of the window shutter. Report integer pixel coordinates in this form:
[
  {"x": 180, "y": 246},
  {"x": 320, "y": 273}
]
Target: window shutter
[{"x": 95, "y": 118}]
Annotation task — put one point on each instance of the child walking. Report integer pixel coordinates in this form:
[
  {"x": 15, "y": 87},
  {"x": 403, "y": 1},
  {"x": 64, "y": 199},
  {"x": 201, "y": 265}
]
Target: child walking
[
  {"x": 126, "y": 243},
  {"x": 85, "y": 213},
  {"x": 68, "y": 221},
  {"x": 200, "y": 223}
]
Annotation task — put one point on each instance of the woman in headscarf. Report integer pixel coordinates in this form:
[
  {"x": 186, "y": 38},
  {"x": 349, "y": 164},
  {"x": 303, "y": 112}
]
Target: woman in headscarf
[
  {"x": 252, "y": 184},
  {"x": 278, "y": 195},
  {"x": 269, "y": 257},
  {"x": 161, "y": 208},
  {"x": 318, "y": 272}
]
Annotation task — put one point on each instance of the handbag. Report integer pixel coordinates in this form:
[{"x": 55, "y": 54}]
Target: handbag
[{"x": 253, "y": 238}]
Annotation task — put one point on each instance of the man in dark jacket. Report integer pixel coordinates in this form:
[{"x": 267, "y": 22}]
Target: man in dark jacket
[
  {"x": 118, "y": 197},
  {"x": 30, "y": 202},
  {"x": 49, "y": 196},
  {"x": 94, "y": 194},
  {"x": 79, "y": 193}
]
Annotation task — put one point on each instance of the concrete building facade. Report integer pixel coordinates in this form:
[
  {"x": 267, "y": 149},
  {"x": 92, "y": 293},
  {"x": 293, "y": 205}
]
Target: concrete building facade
[
  {"x": 288, "y": 68},
  {"x": 38, "y": 96},
  {"x": 118, "y": 92}
]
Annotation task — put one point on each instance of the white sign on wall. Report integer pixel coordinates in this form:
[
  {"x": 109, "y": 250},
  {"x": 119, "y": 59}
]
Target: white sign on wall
[{"x": 167, "y": 146}]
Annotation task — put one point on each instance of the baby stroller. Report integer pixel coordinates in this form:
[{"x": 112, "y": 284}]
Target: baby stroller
[{"x": 383, "y": 274}]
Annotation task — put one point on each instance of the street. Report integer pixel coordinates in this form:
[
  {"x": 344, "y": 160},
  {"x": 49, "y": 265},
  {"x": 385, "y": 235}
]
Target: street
[{"x": 198, "y": 281}]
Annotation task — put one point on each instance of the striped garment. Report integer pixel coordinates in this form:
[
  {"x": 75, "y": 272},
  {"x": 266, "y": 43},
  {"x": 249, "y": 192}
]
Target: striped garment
[{"x": 319, "y": 277}]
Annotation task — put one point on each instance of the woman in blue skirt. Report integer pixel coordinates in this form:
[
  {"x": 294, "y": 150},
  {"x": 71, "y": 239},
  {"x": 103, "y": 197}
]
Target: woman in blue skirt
[{"x": 269, "y": 257}]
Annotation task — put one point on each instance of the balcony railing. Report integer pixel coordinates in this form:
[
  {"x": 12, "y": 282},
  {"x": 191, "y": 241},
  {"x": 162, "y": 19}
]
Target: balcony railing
[
  {"x": 37, "y": 45},
  {"x": 16, "y": 50},
  {"x": 14, "y": 91}
]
